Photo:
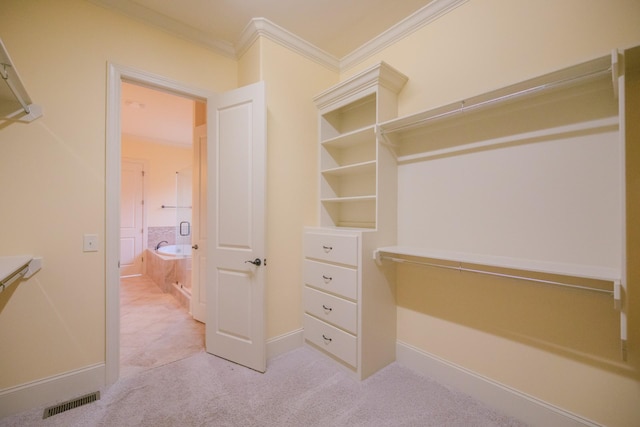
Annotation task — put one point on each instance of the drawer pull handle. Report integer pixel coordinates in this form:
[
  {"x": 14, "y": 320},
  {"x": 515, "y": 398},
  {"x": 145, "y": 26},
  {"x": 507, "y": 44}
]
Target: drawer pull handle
[
  {"x": 327, "y": 279},
  {"x": 327, "y": 249},
  {"x": 327, "y": 308},
  {"x": 326, "y": 339}
]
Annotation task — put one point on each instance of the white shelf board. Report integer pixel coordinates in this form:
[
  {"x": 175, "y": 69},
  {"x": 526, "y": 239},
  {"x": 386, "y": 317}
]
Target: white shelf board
[
  {"x": 596, "y": 71},
  {"x": 563, "y": 269},
  {"x": 348, "y": 199},
  {"x": 358, "y": 136},
  {"x": 10, "y": 102},
  {"x": 12, "y": 268},
  {"x": 354, "y": 169}
]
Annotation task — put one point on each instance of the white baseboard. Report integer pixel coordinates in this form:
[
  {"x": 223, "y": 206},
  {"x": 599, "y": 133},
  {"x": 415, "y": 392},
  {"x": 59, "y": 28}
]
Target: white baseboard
[
  {"x": 284, "y": 343},
  {"x": 505, "y": 399},
  {"x": 52, "y": 390}
]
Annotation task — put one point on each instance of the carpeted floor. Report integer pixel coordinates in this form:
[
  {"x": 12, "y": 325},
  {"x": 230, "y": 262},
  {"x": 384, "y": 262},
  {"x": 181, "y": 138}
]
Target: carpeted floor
[
  {"x": 168, "y": 380},
  {"x": 300, "y": 388}
]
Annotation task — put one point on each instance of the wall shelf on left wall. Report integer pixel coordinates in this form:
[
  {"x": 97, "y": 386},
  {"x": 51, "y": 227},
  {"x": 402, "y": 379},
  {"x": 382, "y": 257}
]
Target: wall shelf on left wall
[
  {"x": 15, "y": 103},
  {"x": 14, "y": 268}
]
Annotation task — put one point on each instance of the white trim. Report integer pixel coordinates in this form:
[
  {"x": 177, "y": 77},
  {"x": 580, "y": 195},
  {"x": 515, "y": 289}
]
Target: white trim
[
  {"x": 168, "y": 24},
  {"x": 116, "y": 74},
  {"x": 263, "y": 27},
  {"x": 284, "y": 343},
  {"x": 506, "y": 399},
  {"x": 51, "y": 390},
  {"x": 417, "y": 20}
]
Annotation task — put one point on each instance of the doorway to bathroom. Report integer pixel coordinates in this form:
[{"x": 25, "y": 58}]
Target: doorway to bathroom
[
  {"x": 236, "y": 213},
  {"x": 158, "y": 188}
]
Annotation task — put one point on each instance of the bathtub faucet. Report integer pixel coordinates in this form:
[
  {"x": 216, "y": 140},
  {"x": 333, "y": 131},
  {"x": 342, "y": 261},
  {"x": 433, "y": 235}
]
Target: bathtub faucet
[{"x": 160, "y": 244}]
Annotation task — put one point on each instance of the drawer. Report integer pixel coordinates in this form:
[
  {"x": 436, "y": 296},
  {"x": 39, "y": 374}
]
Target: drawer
[
  {"x": 331, "y": 247},
  {"x": 341, "y": 344},
  {"x": 331, "y": 278},
  {"x": 337, "y": 311}
]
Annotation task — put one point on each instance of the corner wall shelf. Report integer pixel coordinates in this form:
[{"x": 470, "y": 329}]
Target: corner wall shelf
[{"x": 15, "y": 103}]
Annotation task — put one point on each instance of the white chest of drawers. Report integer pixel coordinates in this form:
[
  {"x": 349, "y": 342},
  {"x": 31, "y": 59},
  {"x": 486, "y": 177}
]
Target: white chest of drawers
[{"x": 337, "y": 320}]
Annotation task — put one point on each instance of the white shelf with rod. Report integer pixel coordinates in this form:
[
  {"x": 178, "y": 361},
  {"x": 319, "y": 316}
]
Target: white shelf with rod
[
  {"x": 557, "y": 274},
  {"x": 402, "y": 133},
  {"x": 425, "y": 136},
  {"x": 15, "y": 103},
  {"x": 14, "y": 268}
]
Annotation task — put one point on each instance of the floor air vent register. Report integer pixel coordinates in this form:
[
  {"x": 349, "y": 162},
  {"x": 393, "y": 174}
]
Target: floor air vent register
[{"x": 70, "y": 404}]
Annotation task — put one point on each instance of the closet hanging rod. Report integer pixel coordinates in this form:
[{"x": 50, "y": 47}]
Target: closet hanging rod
[
  {"x": 175, "y": 207},
  {"x": 491, "y": 273},
  {"x": 465, "y": 107},
  {"x": 5, "y": 76}
]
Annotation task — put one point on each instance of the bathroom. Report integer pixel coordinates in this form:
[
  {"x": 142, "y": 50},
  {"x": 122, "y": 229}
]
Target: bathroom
[
  {"x": 168, "y": 252},
  {"x": 157, "y": 185}
]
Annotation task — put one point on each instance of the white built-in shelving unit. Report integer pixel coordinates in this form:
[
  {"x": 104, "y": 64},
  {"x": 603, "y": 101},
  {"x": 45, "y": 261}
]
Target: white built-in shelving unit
[
  {"x": 425, "y": 135},
  {"x": 350, "y": 311}
]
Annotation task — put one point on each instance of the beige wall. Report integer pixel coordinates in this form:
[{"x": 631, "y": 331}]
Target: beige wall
[
  {"x": 292, "y": 175},
  {"x": 560, "y": 347},
  {"x": 163, "y": 161},
  {"x": 53, "y": 172}
]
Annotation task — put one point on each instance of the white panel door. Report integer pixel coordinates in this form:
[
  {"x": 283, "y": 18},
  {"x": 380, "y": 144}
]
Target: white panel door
[
  {"x": 236, "y": 226},
  {"x": 199, "y": 220},
  {"x": 131, "y": 217}
]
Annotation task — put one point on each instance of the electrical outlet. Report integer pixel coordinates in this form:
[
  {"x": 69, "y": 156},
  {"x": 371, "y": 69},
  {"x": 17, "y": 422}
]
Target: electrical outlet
[{"x": 90, "y": 243}]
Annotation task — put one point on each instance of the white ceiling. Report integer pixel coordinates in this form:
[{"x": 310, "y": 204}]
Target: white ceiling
[
  {"x": 336, "y": 27},
  {"x": 156, "y": 116}
]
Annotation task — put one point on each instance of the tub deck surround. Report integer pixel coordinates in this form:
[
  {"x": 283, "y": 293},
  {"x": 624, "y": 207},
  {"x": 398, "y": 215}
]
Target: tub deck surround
[
  {"x": 171, "y": 274},
  {"x": 14, "y": 268},
  {"x": 175, "y": 250}
]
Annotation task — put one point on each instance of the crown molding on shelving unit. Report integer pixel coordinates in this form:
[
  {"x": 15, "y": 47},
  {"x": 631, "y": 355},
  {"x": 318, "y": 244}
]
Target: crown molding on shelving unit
[{"x": 381, "y": 74}]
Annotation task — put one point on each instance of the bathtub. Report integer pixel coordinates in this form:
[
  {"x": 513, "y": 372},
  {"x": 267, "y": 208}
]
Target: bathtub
[
  {"x": 175, "y": 250},
  {"x": 170, "y": 268}
]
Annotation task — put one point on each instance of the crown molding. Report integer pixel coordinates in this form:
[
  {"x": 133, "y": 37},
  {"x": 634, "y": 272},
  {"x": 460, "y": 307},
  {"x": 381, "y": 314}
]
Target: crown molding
[
  {"x": 258, "y": 27},
  {"x": 380, "y": 74},
  {"x": 263, "y": 27},
  {"x": 168, "y": 24},
  {"x": 417, "y": 20}
]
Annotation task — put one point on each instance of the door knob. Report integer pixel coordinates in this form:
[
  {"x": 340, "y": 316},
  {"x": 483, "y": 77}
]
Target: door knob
[
  {"x": 257, "y": 262},
  {"x": 195, "y": 246}
]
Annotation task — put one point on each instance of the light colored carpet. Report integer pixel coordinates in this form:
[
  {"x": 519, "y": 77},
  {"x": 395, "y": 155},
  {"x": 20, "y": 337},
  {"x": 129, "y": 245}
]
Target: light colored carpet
[
  {"x": 154, "y": 328},
  {"x": 300, "y": 388}
]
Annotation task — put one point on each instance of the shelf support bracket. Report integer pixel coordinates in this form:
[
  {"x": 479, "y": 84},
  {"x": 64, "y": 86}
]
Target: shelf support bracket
[
  {"x": 377, "y": 257},
  {"x": 12, "y": 88},
  {"x": 615, "y": 71}
]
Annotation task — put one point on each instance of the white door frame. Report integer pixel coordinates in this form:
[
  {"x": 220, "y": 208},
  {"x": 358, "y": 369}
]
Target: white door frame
[{"x": 117, "y": 74}]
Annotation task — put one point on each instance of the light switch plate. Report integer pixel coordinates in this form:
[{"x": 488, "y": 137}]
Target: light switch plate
[{"x": 90, "y": 243}]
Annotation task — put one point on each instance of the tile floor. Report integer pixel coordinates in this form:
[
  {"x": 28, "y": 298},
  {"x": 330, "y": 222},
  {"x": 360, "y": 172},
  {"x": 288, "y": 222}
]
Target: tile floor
[{"x": 154, "y": 328}]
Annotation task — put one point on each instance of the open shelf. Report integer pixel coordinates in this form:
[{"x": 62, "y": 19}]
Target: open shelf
[
  {"x": 563, "y": 269},
  {"x": 15, "y": 103},
  {"x": 446, "y": 130}
]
